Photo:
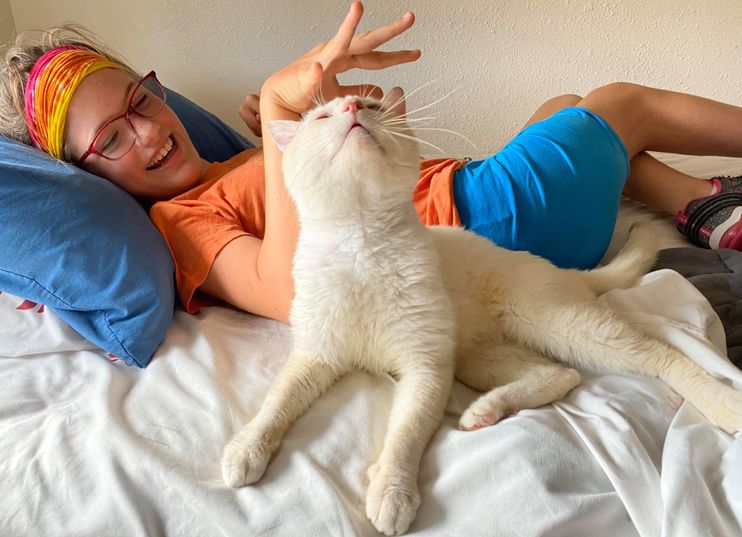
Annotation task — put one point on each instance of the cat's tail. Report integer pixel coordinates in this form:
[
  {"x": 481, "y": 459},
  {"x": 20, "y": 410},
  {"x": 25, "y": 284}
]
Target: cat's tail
[{"x": 633, "y": 261}]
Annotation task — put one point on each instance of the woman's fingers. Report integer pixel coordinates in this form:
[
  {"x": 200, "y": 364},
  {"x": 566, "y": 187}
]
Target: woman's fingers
[
  {"x": 344, "y": 36},
  {"x": 374, "y": 38},
  {"x": 249, "y": 112},
  {"x": 363, "y": 90},
  {"x": 375, "y": 60}
]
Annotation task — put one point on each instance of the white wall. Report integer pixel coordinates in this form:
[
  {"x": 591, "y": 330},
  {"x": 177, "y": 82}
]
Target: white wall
[
  {"x": 502, "y": 57},
  {"x": 7, "y": 25}
]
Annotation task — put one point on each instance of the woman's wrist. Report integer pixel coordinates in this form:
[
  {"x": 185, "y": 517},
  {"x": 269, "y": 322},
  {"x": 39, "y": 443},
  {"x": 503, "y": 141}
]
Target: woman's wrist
[{"x": 271, "y": 107}]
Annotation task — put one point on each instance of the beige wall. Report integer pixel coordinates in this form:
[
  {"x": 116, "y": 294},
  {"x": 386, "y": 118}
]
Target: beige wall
[
  {"x": 502, "y": 58},
  {"x": 7, "y": 25}
]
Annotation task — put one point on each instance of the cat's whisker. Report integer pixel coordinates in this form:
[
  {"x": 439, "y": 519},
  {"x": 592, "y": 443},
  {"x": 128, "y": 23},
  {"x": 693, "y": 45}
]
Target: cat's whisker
[
  {"x": 474, "y": 146},
  {"x": 370, "y": 89},
  {"x": 416, "y": 139},
  {"x": 405, "y": 96},
  {"x": 383, "y": 130},
  {"x": 316, "y": 99},
  {"x": 434, "y": 102},
  {"x": 402, "y": 120}
]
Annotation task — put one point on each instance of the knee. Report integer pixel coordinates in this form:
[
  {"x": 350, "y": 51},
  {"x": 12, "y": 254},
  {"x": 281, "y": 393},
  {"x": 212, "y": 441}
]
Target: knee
[
  {"x": 554, "y": 105},
  {"x": 561, "y": 101},
  {"x": 625, "y": 93}
]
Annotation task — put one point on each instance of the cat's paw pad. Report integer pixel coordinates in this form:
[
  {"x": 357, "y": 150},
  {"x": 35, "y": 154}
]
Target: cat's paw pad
[
  {"x": 472, "y": 420},
  {"x": 243, "y": 463},
  {"x": 390, "y": 506}
]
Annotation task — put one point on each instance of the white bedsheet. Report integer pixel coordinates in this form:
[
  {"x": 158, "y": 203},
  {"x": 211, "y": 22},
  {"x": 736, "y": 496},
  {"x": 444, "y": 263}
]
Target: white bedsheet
[{"x": 91, "y": 448}]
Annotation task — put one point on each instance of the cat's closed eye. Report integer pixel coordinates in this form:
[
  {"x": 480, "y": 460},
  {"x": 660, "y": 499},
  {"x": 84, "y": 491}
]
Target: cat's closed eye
[{"x": 323, "y": 116}]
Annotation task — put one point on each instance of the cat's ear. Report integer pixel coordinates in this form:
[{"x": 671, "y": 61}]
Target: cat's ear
[
  {"x": 283, "y": 131},
  {"x": 395, "y": 100}
]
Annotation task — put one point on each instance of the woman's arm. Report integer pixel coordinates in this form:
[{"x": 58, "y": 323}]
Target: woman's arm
[{"x": 255, "y": 275}]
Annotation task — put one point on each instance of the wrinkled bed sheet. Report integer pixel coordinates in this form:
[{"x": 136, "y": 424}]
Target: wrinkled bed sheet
[
  {"x": 717, "y": 274},
  {"x": 94, "y": 449}
]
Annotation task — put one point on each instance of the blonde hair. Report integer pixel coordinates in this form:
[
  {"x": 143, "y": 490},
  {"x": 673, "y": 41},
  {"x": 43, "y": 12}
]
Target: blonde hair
[{"x": 20, "y": 56}]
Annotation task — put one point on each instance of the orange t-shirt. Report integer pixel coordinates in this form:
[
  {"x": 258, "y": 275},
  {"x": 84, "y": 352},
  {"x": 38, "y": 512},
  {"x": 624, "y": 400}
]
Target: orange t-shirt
[{"x": 229, "y": 202}]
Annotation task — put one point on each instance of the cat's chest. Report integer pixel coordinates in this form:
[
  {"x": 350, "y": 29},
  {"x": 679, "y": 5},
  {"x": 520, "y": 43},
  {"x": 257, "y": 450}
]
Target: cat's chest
[{"x": 366, "y": 280}]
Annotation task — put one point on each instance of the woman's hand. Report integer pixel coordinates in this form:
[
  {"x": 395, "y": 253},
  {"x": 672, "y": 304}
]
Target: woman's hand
[
  {"x": 250, "y": 113},
  {"x": 312, "y": 77}
]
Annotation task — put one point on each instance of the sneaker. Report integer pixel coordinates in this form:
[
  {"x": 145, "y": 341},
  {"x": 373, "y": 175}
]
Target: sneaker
[{"x": 715, "y": 221}]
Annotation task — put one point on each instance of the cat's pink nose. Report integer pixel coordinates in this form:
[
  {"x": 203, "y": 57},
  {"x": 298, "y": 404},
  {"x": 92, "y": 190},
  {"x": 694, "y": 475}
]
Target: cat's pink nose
[{"x": 352, "y": 106}]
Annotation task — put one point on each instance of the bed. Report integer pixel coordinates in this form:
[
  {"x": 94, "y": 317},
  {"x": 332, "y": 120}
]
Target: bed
[{"x": 92, "y": 447}]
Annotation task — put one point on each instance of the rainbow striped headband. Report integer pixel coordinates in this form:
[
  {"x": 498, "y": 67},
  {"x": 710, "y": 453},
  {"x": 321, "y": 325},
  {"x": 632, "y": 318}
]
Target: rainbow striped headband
[{"x": 51, "y": 83}]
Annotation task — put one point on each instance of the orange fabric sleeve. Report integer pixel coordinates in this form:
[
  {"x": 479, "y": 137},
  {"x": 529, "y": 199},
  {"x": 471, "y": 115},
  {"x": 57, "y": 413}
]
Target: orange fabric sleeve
[{"x": 433, "y": 196}]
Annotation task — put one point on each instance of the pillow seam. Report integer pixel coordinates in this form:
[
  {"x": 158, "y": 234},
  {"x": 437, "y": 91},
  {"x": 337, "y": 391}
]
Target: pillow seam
[{"x": 71, "y": 307}]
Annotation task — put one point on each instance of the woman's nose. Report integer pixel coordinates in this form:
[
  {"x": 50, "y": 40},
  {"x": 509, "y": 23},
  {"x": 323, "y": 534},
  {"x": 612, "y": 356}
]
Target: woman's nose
[{"x": 146, "y": 129}]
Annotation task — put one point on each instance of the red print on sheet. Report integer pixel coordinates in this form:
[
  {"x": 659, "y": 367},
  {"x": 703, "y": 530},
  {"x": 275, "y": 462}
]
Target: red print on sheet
[{"x": 28, "y": 305}]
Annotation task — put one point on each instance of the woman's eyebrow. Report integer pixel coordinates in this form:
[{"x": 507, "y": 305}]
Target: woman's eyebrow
[{"x": 127, "y": 96}]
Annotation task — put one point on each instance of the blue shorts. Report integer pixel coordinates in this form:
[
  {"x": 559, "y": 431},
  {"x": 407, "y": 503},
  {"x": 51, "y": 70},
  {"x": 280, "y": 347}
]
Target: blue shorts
[{"x": 554, "y": 190}]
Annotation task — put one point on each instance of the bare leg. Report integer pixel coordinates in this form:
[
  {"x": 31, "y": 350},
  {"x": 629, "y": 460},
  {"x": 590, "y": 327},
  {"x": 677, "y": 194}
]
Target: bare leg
[
  {"x": 655, "y": 184},
  {"x": 649, "y": 119},
  {"x": 650, "y": 181}
]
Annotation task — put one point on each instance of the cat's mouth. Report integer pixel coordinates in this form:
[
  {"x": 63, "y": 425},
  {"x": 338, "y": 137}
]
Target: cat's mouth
[{"x": 360, "y": 130}]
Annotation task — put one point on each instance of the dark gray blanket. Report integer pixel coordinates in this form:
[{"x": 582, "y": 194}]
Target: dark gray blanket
[{"x": 718, "y": 275}]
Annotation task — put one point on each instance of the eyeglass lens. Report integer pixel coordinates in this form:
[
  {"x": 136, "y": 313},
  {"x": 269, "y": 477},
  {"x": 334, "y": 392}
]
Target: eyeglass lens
[{"x": 116, "y": 138}]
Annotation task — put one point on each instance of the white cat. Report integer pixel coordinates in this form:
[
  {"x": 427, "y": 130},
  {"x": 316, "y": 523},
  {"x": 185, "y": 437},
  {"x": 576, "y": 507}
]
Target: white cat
[{"x": 377, "y": 290}]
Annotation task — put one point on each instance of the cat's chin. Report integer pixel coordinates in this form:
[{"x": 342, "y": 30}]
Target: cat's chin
[{"x": 363, "y": 139}]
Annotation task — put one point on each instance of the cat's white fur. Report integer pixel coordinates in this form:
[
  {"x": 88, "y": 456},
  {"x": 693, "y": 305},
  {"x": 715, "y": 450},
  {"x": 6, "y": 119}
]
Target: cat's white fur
[{"x": 377, "y": 290}]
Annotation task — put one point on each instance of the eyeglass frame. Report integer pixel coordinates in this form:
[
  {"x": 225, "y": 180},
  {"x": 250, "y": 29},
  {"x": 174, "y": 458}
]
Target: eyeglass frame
[{"x": 126, "y": 115}]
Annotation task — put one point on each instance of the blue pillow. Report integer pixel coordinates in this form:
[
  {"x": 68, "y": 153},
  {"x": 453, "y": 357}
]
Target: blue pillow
[
  {"x": 87, "y": 249},
  {"x": 214, "y": 140}
]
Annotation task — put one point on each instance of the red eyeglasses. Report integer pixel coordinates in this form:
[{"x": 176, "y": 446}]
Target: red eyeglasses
[{"x": 116, "y": 138}]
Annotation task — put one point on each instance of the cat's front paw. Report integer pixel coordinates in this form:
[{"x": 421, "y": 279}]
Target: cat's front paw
[
  {"x": 244, "y": 461},
  {"x": 391, "y": 504}
]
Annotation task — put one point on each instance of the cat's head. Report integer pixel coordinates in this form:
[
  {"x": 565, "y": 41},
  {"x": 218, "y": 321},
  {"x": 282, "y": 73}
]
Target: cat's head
[{"x": 349, "y": 153}]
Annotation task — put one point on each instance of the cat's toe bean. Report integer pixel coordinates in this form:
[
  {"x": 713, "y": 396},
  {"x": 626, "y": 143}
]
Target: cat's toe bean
[
  {"x": 471, "y": 420},
  {"x": 243, "y": 465},
  {"x": 390, "y": 506}
]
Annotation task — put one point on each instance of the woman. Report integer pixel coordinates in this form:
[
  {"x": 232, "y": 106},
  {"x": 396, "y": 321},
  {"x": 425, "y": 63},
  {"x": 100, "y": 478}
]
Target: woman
[{"x": 232, "y": 229}]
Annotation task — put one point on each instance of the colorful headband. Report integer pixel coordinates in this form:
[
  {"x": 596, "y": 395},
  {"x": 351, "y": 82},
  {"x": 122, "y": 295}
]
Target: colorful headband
[{"x": 51, "y": 83}]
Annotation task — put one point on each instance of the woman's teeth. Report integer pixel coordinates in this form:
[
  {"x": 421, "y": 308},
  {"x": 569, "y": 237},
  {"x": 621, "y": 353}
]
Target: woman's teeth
[{"x": 164, "y": 152}]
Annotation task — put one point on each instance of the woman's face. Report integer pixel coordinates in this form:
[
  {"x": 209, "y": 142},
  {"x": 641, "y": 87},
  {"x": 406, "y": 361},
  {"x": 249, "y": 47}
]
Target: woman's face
[{"x": 104, "y": 95}]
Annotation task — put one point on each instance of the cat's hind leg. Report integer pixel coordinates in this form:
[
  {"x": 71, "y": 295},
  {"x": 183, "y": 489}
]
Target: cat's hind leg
[
  {"x": 299, "y": 383},
  {"x": 514, "y": 378},
  {"x": 593, "y": 336}
]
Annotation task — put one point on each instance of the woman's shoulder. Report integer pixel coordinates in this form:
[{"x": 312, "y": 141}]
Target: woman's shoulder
[
  {"x": 222, "y": 181},
  {"x": 252, "y": 156}
]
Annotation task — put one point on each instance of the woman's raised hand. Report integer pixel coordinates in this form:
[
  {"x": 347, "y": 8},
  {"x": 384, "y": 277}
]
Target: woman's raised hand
[{"x": 313, "y": 76}]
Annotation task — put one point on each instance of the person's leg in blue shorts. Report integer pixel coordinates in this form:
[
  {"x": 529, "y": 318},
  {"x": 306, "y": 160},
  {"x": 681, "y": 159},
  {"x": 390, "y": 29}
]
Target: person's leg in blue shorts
[{"x": 554, "y": 189}]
